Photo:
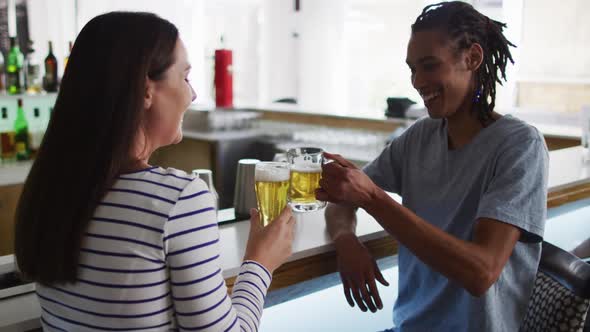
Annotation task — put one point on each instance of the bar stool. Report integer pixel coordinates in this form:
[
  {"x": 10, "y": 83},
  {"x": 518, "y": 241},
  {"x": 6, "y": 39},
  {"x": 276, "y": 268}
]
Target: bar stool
[{"x": 561, "y": 295}]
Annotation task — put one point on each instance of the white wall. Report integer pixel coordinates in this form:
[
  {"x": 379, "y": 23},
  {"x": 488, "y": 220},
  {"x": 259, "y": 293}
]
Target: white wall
[
  {"x": 377, "y": 34},
  {"x": 185, "y": 14},
  {"x": 51, "y": 21},
  {"x": 349, "y": 55},
  {"x": 321, "y": 53},
  {"x": 555, "y": 40},
  {"x": 237, "y": 22},
  {"x": 512, "y": 13},
  {"x": 277, "y": 50},
  {"x": 200, "y": 23}
]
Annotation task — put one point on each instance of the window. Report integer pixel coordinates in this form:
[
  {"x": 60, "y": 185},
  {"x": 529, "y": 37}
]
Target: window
[{"x": 345, "y": 57}]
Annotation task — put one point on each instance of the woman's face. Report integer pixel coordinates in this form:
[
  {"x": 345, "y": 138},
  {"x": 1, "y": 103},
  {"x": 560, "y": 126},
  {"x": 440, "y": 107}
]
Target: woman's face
[
  {"x": 167, "y": 100},
  {"x": 441, "y": 76}
]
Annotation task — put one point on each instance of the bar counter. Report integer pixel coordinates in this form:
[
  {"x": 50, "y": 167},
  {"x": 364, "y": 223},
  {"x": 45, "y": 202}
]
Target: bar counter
[{"x": 313, "y": 253}]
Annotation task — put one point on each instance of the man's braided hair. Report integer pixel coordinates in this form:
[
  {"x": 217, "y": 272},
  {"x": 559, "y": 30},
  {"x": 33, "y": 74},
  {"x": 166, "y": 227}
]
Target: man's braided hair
[{"x": 465, "y": 26}]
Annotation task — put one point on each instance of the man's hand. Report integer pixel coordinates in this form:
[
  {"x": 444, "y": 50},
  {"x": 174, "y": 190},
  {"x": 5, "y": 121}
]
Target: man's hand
[
  {"x": 343, "y": 182},
  {"x": 358, "y": 271}
]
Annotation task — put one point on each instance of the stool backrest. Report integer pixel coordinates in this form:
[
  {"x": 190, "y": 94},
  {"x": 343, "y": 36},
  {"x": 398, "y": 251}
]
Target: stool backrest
[{"x": 561, "y": 295}]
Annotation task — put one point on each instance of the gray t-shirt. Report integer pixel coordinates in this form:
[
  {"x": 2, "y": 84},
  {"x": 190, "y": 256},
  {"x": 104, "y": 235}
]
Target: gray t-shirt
[{"x": 501, "y": 174}]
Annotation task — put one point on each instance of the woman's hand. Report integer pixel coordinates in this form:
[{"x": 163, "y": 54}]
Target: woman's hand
[
  {"x": 343, "y": 182},
  {"x": 270, "y": 245}
]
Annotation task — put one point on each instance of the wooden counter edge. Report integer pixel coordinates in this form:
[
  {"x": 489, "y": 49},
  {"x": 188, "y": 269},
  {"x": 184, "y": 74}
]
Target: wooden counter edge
[
  {"x": 568, "y": 195},
  {"x": 318, "y": 265},
  {"x": 383, "y": 125}
]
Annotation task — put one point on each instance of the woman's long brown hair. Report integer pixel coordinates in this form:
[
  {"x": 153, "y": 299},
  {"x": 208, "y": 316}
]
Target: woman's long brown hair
[{"x": 90, "y": 136}]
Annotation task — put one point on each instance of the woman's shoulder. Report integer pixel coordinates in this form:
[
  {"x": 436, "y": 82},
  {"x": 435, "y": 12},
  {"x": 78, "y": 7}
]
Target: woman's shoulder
[
  {"x": 174, "y": 173},
  {"x": 168, "y": 179}
]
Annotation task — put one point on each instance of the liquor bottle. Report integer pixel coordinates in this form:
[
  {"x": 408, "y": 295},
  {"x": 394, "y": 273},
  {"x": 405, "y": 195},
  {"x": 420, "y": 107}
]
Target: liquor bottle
[
  {"x": 21, "y": 134},
  {"x": 33, "y": 84},
  {"x": 6, "y": 136},
  {"x": 2, "y": 73},
  {"x": 37, "y": 126},
  {"x": 50, "y": 78},
  {"x": 67, "y": 58},
  {"x": 32, "y": 78},
  {"x": 14, "y": 69}
]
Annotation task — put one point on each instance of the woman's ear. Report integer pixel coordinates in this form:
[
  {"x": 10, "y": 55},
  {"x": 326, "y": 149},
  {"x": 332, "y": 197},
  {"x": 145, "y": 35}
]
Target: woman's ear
[
  {"x": 149, "y": 93},
  {"x": 474, "y": 57}
]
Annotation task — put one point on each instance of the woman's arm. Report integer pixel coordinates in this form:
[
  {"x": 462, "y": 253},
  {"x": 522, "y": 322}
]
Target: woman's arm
[{"x": 199, "y": 293}]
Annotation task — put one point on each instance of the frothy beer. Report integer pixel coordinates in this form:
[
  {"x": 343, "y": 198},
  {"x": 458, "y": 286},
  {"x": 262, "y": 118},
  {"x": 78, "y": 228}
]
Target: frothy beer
[
  {"x": 305, "y": 179},
  {"x": 272, "y": 184},
  {"x": 306, "y": 172}
]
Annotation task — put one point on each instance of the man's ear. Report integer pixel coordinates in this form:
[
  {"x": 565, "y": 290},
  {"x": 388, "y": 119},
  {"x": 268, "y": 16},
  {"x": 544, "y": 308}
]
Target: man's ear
[
  {"x": 149, "y": 93},
  {"x": 474, "y": 57}
]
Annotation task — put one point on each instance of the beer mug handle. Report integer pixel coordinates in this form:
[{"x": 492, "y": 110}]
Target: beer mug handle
[{"x": 326, "y": 161}]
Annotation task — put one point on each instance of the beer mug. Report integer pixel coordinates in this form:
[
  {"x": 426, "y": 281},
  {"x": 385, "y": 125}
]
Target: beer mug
[
  {"x": 306, "y": 171},
  {"x": 271, "y": 186}
]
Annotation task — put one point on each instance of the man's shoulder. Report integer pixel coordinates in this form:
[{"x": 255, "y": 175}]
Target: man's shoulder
[
  {"x": 512, "y": 130},
  {"x": 426, "y": 123}
]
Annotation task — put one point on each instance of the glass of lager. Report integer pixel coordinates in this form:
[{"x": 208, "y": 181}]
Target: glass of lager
[
  {"x": 271, "y": 185},
  {"x": 306, "y": 171}
]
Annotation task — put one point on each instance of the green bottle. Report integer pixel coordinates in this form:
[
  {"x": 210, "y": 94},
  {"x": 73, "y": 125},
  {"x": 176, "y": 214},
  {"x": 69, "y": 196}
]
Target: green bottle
[
  {"x": 14, "y": 69},
  {"x": 21, "y": 134}
]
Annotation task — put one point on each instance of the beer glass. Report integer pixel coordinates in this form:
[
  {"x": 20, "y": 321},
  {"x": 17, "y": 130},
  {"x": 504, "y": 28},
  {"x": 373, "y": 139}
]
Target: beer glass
[
  {"x": 271, "y": 186},
  {"x": 306, "y": 171}
]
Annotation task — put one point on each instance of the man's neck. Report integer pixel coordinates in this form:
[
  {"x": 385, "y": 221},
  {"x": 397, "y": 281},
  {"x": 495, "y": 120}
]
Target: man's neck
[{"x": 464, "y": 125}]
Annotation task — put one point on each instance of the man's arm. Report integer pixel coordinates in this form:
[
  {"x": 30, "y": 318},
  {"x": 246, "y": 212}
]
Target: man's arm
[
  {"x": 358, "y": 269},
  {"x": 340, "y": 220},
  {"x": 476, "y": 264}
]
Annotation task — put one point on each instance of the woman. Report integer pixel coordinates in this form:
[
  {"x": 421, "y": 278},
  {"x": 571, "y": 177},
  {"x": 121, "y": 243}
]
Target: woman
[
  {"x": 473, "y": 184},
  {"x": 113, "y": 242}
]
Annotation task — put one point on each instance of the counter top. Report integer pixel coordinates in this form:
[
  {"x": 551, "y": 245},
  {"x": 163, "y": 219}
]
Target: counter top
[
  {"x": 549, "y": 124},
  {"x": 14, "y": 173},
  {"x": 221, "y": 135},
  {"x": 567, "y": 169},
  {"x": 311, "y": 237},
  {"x": 553, "y": 125},
  {"x": 377, "y": 115},
  {"x": 558, "y": 131}
]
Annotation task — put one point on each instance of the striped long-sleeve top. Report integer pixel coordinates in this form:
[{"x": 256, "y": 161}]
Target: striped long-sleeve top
[{"x": 150, "y": 262}]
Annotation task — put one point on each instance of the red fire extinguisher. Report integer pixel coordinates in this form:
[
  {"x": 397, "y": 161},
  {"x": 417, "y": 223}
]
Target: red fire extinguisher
[{"x": 223, "y": 78}]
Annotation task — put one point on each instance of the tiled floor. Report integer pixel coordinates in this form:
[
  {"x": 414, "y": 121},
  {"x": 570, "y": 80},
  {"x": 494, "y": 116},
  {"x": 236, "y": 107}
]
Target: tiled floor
[{"x": 319, "y": 304}]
